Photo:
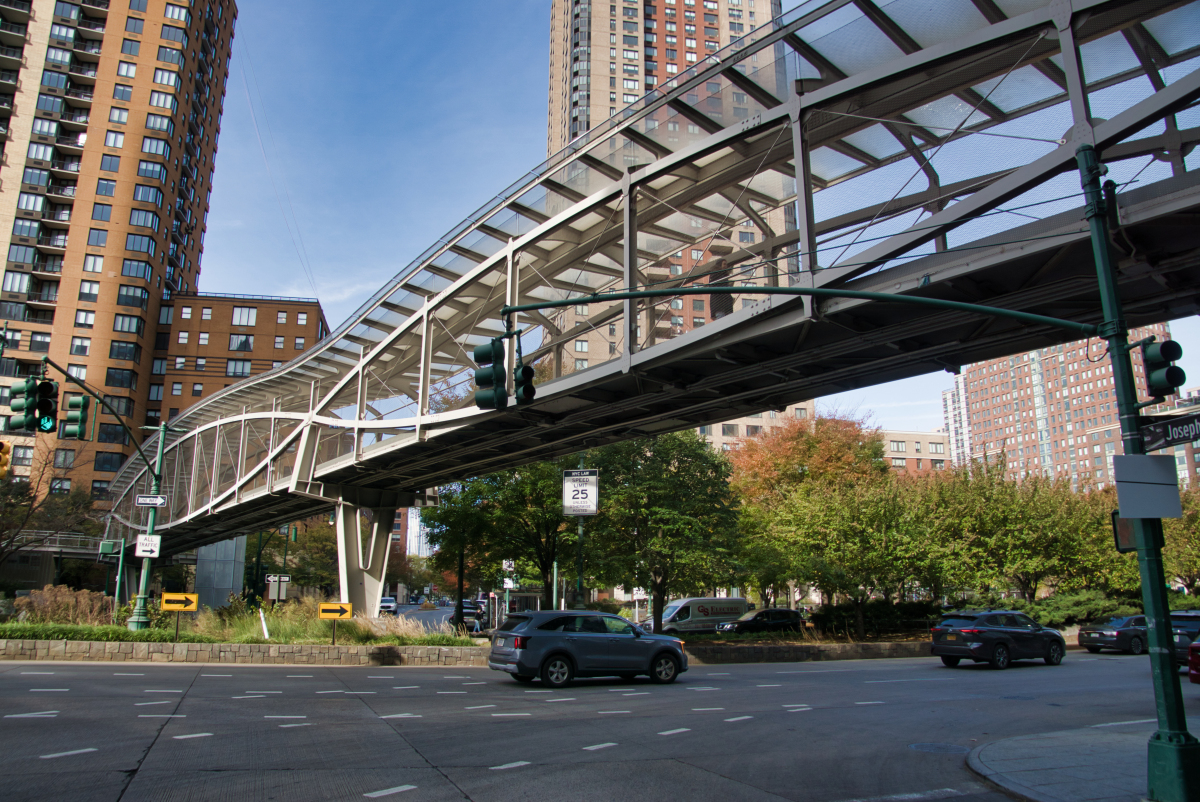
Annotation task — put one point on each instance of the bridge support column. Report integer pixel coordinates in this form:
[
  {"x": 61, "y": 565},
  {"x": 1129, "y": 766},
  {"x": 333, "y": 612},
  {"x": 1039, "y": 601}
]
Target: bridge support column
[{"x": 361, "y": 580}]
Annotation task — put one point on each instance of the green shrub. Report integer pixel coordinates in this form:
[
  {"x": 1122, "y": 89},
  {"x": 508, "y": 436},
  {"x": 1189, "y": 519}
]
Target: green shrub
[
  {"x": 879, "y": 616},
  {"x": 108, "y": 634},
  {"x": 604, "y": 606}
]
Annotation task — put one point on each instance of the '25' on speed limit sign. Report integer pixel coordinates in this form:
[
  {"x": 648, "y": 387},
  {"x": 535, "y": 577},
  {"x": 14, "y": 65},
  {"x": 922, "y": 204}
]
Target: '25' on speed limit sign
[{"x": 581, "y": 491}]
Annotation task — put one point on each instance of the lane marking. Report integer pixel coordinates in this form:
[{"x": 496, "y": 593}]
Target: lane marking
[
  {"x": 553, "y": 691},
  {"x": 163, "y": 715},
  {"x": 144, "y": 704},
  {"x": 924, "y": 679},
  {"x": 159, "y": 690},
  {"x": 380, "y": 677},
  {"x": 704, "y": 688},
  {"x": 868, "y": 703},
  {"x": 675, "y": 732},
  {"x": 770, "y": 686},
  {"x": 739, "y": 718},
  {"x": 129, "y": 675},
  {"x": 389, "y": 791},
  {"x": 474, "y": 683},
  {"x": 821, "y": 671},
  {"x": 72, "y": 752},
  {"x": 707, "y": 708},
  {"x": 285, "y": 716},
  {"x": 193, "y": 735},
  {"x": 284, "y": 726},
  {"x": 451, "y": 691},
  {"x": 330, "y": 691},
  {"x": 1109, "y": 724},
  {"x": 940, "y": 793},
  {"x": 721, "y": 674},
  {"x": 362, "y": 693},
  {"x": 801, "y": 705},
  {"x": 478, "y": 707},
  {"x": 597, "y": 746},
  {"x": 637, "y": 693},
  {"x": 517, "y": 764},
  {"x": 262, "y": 691},
  {"x": 499, "y": 715},
  {"x": 801, "y": 710},
  {"x": 299, "y": 676},
  {"x": 610, "y": 712},
  {"x": 49, "y": 690},
  {"x": 247, "y": 697},
  {"x": 41, "y": 714},
  {"x": 563, "y": 699},
  {"x": 455, "y": 677},
  {"x": 404, "y": 687},
  {"x": 402, "y": 715},
  {"x": 216, "y": 675},
  {"x": 38, "y": 673}
]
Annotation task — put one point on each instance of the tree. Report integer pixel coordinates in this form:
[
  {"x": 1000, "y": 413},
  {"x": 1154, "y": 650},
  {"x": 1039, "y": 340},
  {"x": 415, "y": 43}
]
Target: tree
[
  {"x": 667, "y": 517},
  {"x": 1182, "y": 552}
]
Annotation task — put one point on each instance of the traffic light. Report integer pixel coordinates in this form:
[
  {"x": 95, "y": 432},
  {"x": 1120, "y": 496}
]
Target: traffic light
[
  {"x": 492, "y": 394},
  {"x": 523, "y": 389},
  {"x": 23, "y": 403},
  {"x": 1163, "y": 378},
  {"x": 77, "y": 417},
  {"x": 5, "y": 458},
  {"x": 46, "y": 407}
]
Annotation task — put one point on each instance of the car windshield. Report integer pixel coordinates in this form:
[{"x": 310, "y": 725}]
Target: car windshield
[
  {"x": 957, "y": 621},
  {"x": 1186, "y": 620},
  {"x": 670, "y": 608},
  {"x": 1115, "y": 621},
  {"x": 512, "y": 622},
  {"x": 387, "y": 600},
  {"x": 748, "y": 616}
]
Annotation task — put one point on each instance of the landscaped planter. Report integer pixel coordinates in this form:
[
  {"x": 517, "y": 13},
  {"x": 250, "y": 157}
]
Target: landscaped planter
[{"x": 253, "y": 653}]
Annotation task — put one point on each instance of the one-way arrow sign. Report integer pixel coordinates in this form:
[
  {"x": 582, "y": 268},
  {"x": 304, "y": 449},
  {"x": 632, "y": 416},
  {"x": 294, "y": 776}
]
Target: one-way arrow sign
[
  {"x": 181, "y": 602},
  {"x": 336, "y": 610},
  {"x": 150, "y": 501}
]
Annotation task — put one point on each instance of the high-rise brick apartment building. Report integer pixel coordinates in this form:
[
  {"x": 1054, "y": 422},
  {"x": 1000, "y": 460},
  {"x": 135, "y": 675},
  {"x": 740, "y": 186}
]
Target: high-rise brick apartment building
[
  {"x": 1051, "y": 411},
  {"x": 114, "y": 110}
]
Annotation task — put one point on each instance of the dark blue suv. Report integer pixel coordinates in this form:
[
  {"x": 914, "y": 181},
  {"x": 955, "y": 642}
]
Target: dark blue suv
[
  {"x": 559, "y": 645},
  {"x": 996, "y": 637}
]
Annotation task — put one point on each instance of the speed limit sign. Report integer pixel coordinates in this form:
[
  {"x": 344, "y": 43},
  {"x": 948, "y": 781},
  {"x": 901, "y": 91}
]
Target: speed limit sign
[{"x": 581, "y": 491}]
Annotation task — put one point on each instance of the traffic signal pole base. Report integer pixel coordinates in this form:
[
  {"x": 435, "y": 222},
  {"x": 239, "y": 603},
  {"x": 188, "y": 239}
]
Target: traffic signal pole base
[
  {"x": 1173, "y": 766},
  {"x": 139, "y": 620}
]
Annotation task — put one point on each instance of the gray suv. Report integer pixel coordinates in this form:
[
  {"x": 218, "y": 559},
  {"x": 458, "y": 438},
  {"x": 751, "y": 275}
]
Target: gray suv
[{"x": 559, "y": 645}]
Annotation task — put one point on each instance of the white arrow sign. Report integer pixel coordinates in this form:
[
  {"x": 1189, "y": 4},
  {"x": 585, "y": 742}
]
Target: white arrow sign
[
  {"x": 148, "y": 546},
  {"x": 151, "y": 501},
  {"x": 278, "y": 578}
]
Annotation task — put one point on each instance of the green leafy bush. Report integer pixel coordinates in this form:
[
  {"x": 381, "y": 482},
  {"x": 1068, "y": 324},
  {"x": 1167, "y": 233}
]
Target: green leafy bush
[
  {"x": 108, "y": 634},
  {"x": 879, "y": 616}
]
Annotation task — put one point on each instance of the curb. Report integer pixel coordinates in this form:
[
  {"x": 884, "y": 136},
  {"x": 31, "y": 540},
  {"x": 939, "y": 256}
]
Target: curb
[{"x": 999, "y": 780}]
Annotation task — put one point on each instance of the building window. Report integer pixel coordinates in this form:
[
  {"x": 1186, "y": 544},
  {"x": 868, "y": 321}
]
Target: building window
[
  {"x": 78, "y": 371},
  {"x": 299, "y": 343},
  {"x": 140, "y": 243},
  {"x": 60, "y": 487},
  {"x": 123, "y": 405},
  {"x": 281, "y": 317},
  {"x": 801, "y": 413},
  {"x": 132, "y": 296},
  {"x": 123, "y": 93},
  {"x": 937, "y": 464},
  {"x": 110, "y": 163},
  {"x": 899, "y": 462},
  {"x": 177, "y": 388},
  {"x": 183, "y": 338},
  {"x": 134, "y": 25},
  {"x": 156, "y": 146},
  {"x": 897, "y": 445},
  {"x": 129, "y": 324},
  {"x": 118, "y": 115},
  {"x": 131, "y": 47},
  {"x": 102, "y": 212},
  {"x": 120, "y": 377},
  {"x": 22, "y": 455},
  {"x": 100, "y": 489},
  {"x": 581, "y": 346},
  {"x": 917, "y": 446},
  {"x": 201, "y": 363},
  {"x": 125, "y": 351},
  {"x": 730, "y": 430},
  {"x": 581, "y": 364},
  {"x": 106, "y": 187},
  {"x": 197, "y": 390},
  {"x": 237, "y": 367},
  {"x": 109, "y": 461},
  {"x": 112, "y": 433},
  {"x": 279, "y": 341},
  {"x": 158, "y": 367},
  {"x": 241, "y": 342},
  {"x": 244, "y": 315},
  {"x": 97, "y": 238},
  {"x": 937, "y": 448},
  {"x": 301, "y": 319},
  {"x": 203, "y": 338},
  {"x": 64, "y": 457},
  {"x": 185, "y": 312},
  {"x": 206, "y": 313},
  {"x": 114, "y": 139},
  {"x": 80, "y": 346},
  {"x": 85, "y": 320},
  {"x": 89, "y": 291},
  {"x": 753, "y": 431},
  {"x": 156, "y": 392}
]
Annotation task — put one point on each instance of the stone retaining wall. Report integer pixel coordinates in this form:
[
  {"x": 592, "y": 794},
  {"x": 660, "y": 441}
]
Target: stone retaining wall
[
  {"x": 264, "y": 654},
  {"x": 706, "y": 654}
]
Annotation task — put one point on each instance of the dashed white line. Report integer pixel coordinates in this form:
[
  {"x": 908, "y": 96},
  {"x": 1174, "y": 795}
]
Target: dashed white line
[
  {"x": 455, "y": 677},
  {"x": 216, "y": 675},
  {"x": 402, "y": 715},
  {"x": 389, "y": 791},
  {"x": 42, "y": 714},
  {"x": 161, "y": 690},
  {"x": 517, "y": 764},
  {"x": 404, "y": 687},
  {"x": 285, "y": 726},
  {"x": 770, "y": 686},
  {"x": 38, "y": 673},
  {"x": 562, "y": 699},
  {"x": 299, "y": 676},
  {"x": 739, "y": 718},
  {"x": 637, "y": 693},
  {"x": 451, "y": 691},
  {"x": 247, "y": 697},
  {"x": 258, "y": 691},
  {"x": 193, "y": 735},
  {"x": 285, "y": 716},
  {"x": 868, "y": 703},
  {"x": 163, "y": 715},
  {"x": 144, "y": 704},
  {"x": 597, "y": 746},
  {"x": 502, "y": 715},
  {"x": 539, "y": 691},
  {"x": 1109, "y": 724},
  {"x": 919, "y": 796},
  {"x": 360, "y": 693},
  {"x": 478, "y": 707},
  {"x": 129, "y": 675},
  {"x": 610, "y": 712},
  {"x": 699, "y": 709},
  {"x": 474, "y": 683},
  {"x": 330, "y": 691},
  {"x": 72, "y": 752},
  {"x": 675, "y": 732},
  {"x": 380, "y": 677},
  {"x": 49, "y": 690}
]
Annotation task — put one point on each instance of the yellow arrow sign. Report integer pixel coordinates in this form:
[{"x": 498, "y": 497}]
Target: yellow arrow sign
[
  {"x": 338, "y": 611},
  {"x": 181, "y": 602}
]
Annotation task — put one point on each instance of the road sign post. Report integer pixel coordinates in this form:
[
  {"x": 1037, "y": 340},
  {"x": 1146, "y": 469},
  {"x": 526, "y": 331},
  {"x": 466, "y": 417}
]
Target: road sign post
[
  {"x": 581, "y": 496},
  {"x": 1173, "y": 754},
  {"x": 139, "y": 620},
  {"x": 180, "y": 603},
  {"x": 335, "y": 611}
]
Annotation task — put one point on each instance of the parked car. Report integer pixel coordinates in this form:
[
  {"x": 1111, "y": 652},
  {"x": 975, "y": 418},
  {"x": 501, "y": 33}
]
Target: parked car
[
  {"x": 770, "y": 620},
  {"x": 1194, "y": 662},
  {"x": 1126, "y": 633},
  {"x": 558, "y": 646},
  {"x": 1185, "y": 626},
  {"x": 996, "y": 637},
  {"x": 700, "y": 614},
  {"x": 387, "y": 605}
]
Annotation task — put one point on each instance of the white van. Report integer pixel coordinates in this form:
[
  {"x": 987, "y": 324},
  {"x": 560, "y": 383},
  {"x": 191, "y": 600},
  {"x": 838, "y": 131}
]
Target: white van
[{"x": 700, "y": 614}]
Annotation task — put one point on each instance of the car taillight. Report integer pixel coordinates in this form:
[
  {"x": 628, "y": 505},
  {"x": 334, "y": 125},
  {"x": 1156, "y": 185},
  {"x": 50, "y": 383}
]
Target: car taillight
[
  {"x": 971, "y": 631},
  {"x": 935, "y": 629},
  {"x": 520, "y": 642}
]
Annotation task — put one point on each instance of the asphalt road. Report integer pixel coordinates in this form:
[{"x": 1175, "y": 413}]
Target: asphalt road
[{"x": 853, "y": 730}]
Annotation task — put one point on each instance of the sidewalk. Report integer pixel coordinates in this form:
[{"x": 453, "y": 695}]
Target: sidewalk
[{"x": 1105, "y": 763}]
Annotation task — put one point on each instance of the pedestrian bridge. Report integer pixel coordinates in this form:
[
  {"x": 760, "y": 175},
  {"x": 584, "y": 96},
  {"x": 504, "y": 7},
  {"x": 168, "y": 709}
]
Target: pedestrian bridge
[{"x": 847, "y": 145}]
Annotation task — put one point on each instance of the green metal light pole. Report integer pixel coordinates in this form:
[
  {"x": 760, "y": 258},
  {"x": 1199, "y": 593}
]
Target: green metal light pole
[
  {"x": 1173, "y": 753},
  {"x": 140, "y": 619},
  {"x": 579, "y": 560}
]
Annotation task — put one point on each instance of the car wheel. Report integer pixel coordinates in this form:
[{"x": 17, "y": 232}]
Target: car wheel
[
  {"x": 664, "y": 669},
  {"x": 1054, "y": 653},
  {"x": 1000, "y": 657},
  {"x": 947, "y": 660},
  {"x": 557, "y": 672},
  {"x": 523, "y": 677},
  {"x": 1136, "y": 646},
  {"x": 1094, "y": 649}
]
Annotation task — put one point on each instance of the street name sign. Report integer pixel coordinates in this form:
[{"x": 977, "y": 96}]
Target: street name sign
[
  {"x": 510, "y": 565},
  {"x": 581, "y": 491},
  {"x": 150, "y": 501},
  {"x": 338, "y": 611},
  {"x": 279, "y": 578},
  {"x": 180, "y": 602},
  {"x": 148, "y": 546},
  {"x": 1171, "y": 431}
]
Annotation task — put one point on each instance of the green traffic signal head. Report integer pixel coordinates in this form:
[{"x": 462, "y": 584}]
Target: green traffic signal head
[
  {"x": 492, "y": 393},
  {"x": 523, "y": 387},
  {"x": 1163, "y": 378},
  {"x": 77, "y": 415},
  {"x": 491, "y": 351}
]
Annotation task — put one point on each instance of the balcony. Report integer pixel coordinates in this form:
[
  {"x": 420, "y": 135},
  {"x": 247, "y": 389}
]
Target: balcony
[
  {"x": 55, "y": 243},
  {"x": 10, "y": 56},
  {"x": 93, "y": 28},
  {"x": 61, "y": 191},
  {"x": 65, "y": 166},
  {"x": 12, "y": 33},
  {"x": 77, "y": 117},
  {"x": 71, "y": 143},
  {"x": 52, "y": 265},
  {"x": 88, "y": 46},
  {"x": 83, "y": 71},
  {"x": 58, "y": 215},
  {"x": 21, "y": 7},
  {"x": 6, "y": 102},
  {"x": 98, "y": 6},
  {"x": 43, "y": 298},
  {"x": 18, "y": 311},
  {"x": 79, "y": 95}
]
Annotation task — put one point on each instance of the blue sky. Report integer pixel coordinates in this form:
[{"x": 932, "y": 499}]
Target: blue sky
[{"x": 378, "y": 128}]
